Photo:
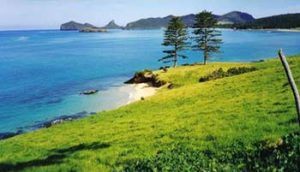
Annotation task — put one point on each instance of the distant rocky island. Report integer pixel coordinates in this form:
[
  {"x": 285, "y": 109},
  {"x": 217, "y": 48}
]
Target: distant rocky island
[
  {"x": 234, "y": 19},
  {"x": 72, "y": 25},
  {"x": 86, "y": 27}
]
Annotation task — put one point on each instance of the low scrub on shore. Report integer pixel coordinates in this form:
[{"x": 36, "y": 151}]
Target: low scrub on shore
[{"x": 245, "y": 122}]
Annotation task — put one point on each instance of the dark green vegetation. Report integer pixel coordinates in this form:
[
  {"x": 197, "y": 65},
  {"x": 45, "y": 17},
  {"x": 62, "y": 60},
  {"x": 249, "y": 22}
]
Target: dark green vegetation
[
  {"x": 282, "y": 156},
  {"x": 286, "y": 21},
  {"x": 175, "y": 39},
  {"x": 220, "y": 73},
  {"x": 243, "y": 122},
  {"x": 207, "y": 38}
]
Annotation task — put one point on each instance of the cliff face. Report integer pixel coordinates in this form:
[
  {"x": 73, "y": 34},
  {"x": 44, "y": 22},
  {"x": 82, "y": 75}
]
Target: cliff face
[{"x": 72, "y": 25}]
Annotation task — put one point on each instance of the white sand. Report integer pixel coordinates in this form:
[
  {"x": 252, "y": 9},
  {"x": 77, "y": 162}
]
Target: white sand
[{"x": 141, "y": 91}]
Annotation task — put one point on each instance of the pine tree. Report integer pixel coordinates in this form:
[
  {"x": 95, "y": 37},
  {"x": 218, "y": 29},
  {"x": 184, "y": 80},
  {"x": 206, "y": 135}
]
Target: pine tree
[
  {"x": 175, "y": 37},
  {"x": 207, "y": 38}
]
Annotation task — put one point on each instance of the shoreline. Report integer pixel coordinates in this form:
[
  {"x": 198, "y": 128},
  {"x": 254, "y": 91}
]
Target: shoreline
[
  {"x": 272, "y": 30},
  {"x": 142, "y": 91},
  {"x": 139, "y": 92}
]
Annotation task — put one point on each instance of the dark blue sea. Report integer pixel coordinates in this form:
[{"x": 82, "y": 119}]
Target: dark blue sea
[{"x": 43, "y": 72}]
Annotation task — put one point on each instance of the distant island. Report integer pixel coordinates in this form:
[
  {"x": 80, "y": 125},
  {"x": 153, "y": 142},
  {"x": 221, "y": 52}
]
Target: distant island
[
  {"x": 234, "y": 20},
  {"x": 86, "y": 27}
]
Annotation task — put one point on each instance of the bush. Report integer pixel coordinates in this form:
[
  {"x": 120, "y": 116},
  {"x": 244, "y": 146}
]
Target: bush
[
  {"x": 220, "y": 73},
  {"x": 178, "y": 159},
  {"x": 282, "y": 156}
]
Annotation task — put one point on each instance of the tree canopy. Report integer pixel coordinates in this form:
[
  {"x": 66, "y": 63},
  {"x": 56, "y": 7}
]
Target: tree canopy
[
  {"x": 176, "y": 39},
  {"x": 206, "y": 37}
]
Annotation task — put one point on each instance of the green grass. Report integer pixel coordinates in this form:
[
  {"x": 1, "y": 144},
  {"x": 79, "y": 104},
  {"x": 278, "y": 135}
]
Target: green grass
[{"x": 214, "y": 115}]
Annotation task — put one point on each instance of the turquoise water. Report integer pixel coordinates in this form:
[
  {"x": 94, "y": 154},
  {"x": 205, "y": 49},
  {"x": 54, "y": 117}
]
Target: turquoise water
[{"x": 43, "y": 72}]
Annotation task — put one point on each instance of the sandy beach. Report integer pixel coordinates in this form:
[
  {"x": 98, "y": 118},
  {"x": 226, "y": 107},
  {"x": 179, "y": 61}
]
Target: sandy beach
[{"x": 141, "y": 91}]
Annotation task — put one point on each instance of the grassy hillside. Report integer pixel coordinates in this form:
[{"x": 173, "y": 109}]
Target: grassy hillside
[{"x": 193, "y": 125}]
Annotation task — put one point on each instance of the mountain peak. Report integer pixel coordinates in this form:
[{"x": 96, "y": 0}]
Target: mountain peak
[
  {"x": 236, "y": 17},
  {"x": 112, "y": 25}
]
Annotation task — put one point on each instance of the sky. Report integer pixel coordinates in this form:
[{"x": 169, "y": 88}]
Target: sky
[{"x": 49, "y": 14}]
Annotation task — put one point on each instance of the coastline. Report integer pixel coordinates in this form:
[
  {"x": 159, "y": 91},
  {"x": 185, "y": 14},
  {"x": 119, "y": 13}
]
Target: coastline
[
  {"x": 273, "y": 30},
  {"x": 141, "y": 91},
  {"x": 136, "y": 92}
]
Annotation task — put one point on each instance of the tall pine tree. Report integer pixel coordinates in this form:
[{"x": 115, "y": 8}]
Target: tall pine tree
[
  {"x": 175, "y": 37},
  {"x": 207, "y": 38}
]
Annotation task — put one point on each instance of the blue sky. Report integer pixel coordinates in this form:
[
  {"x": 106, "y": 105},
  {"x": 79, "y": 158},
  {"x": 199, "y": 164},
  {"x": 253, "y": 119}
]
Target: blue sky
[{"x": 43, "y": 14}]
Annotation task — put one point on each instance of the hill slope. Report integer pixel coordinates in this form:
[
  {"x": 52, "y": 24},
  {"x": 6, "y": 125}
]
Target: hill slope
[
  {"x": 285, "y": 21},
  {"x": 236, "y": 17},
  {"x": 112, "y": 25},
  {"x": 233, "y": 113},
  {"x": 154, "y": 23}
]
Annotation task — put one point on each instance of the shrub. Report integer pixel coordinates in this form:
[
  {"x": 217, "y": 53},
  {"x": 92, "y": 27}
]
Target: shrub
[
  {"x": 178, "y": 159},
  {"x": 282, "y": 156},
  {"x": 220, "y": 73}
]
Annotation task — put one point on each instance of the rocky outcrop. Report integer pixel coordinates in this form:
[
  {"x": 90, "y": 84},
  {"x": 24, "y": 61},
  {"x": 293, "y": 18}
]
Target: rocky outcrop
[
  {"x": 61, "y": 119},
  {"x": 47, "y": 124},
  {"x": 89, "y": 92},
  {"x": 9, "y": 134},
  {"x": 146, "y": 76}
]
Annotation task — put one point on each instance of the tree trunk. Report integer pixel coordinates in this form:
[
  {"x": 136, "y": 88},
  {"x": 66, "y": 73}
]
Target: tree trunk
[
  {"x": 291, "y": 82},
  {"x": 205, "y": 57},
  {"x": 205, "y": 48},
  {"x": 175, "y": 57}
]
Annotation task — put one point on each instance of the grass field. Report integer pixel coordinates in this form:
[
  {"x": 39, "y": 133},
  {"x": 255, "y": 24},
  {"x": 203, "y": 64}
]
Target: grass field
[{"x": 212, "y": 117}]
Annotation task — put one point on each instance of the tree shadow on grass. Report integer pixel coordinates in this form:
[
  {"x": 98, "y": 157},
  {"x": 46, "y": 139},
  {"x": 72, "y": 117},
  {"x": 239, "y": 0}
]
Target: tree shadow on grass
[{"x": 56, "y": 156}]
